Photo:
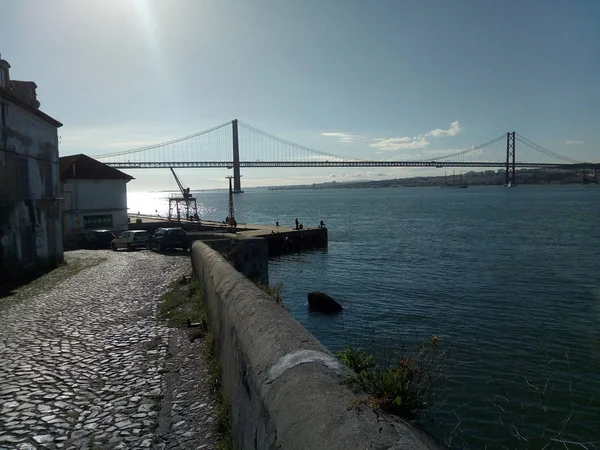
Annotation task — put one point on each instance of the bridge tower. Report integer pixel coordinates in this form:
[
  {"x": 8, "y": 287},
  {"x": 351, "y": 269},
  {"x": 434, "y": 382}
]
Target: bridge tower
[
  {"x": 510, "y": 159},
  {"x": 237, "y": 182}
]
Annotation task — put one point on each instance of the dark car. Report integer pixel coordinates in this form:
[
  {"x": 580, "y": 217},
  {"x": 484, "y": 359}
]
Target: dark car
[
  {"x": 166, "y": 238},
  {"x": 96, "y": 239}
]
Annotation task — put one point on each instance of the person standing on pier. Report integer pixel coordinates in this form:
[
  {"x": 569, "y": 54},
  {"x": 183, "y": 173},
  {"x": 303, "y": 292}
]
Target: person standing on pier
[{"x": 297, "y": 223}]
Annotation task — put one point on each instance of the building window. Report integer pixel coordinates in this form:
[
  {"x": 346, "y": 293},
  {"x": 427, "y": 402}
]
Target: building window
[
  {"x": 26, "y": 245},
  {"x": 97, "y": 222},
  {"x": 23, "y": 176},
  {"x": 48, "y": 181}
]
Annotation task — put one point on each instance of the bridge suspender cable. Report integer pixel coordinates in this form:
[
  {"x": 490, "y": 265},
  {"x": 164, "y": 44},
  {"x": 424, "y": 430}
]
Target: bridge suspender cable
[
  {"x": 292, "y": 144},
  {"x": 545, "y": 151},
  {"x": 162, "y": 144}
]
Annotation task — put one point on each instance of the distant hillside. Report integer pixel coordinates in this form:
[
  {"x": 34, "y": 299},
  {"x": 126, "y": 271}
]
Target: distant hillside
[{"x": 484, "y": 178}]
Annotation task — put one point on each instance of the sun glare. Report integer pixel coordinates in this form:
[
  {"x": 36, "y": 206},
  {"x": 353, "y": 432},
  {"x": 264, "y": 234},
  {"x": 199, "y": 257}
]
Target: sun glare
[{"x": 144, "y": 15}]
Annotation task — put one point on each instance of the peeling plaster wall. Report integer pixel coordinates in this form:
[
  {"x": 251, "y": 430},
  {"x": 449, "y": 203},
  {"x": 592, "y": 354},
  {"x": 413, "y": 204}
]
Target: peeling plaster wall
[
  {"x": 30, "y": 226},
  {"x": 91, "y": 198}
]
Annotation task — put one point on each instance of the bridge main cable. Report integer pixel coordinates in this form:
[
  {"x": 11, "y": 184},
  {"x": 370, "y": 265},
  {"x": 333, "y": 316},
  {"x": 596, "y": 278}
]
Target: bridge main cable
[
  {"x": 545, "y": 151},
  {"x": 293, "y": 144},
  {"x": 470, "y": 149},
  {"x": 164, "y": 144}
]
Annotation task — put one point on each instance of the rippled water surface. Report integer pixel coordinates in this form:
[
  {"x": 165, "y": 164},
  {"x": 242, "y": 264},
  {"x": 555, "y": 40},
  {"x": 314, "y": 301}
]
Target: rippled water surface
[{"x": 508, "y": 278}]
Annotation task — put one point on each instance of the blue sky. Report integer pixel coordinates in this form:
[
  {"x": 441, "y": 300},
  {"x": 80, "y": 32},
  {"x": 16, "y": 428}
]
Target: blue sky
[{"x": 402, "y": 77}]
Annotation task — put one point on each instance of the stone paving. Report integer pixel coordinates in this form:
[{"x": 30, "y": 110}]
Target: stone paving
[{"x": 84, "y": 363}]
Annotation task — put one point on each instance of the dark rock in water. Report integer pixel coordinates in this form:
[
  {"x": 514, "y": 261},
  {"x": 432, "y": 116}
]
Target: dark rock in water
[{"x": 319, "y": 301}]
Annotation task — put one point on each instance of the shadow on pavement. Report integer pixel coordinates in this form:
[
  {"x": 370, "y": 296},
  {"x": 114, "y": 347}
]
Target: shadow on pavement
[
  {"x": 8, "y": 287},
  {"x": 174, "y": 252}
]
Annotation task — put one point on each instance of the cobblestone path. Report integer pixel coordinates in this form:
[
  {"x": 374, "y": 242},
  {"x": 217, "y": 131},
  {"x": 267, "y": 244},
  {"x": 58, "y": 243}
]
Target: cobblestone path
[{"x": 84, "y": 363}]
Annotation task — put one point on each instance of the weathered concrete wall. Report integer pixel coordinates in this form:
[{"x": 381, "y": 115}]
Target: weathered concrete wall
[
  {"x": 283, "y": 386},
  {"x": 221, "y": 245},
  {"x": 30, "y": 226},
  {"x": 248, "y": 255},
  {"x": 92, "y": 198},
  {"x": 289, "y": 241}
]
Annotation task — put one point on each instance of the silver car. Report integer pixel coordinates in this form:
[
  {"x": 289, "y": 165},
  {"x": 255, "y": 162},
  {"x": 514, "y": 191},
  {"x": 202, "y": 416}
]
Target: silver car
[{"x": 130, "y": 240}]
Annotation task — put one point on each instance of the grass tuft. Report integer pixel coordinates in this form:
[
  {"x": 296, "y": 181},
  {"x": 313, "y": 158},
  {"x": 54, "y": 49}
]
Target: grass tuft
[
  {"x": 182, "y": 303},
  {"x": 402, "y": 386},
  {"x": 273, "y": 290}
]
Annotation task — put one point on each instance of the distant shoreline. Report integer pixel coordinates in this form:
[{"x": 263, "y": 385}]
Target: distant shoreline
[{"x": 487, "y": 178}]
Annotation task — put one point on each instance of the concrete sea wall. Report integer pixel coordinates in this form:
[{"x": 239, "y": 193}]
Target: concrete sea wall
[{"x": 283, "y": 386}]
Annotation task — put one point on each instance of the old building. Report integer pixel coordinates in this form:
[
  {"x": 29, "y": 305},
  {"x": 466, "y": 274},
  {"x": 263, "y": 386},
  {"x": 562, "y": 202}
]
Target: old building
[
  {"x": 94, "y": 196},
  {"x": 30, "y": 223}
]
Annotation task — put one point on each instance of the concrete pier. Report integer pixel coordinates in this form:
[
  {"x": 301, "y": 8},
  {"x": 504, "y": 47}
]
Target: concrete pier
[
  {"x": 280, "y": 239},
  {"x": 283, "y": 240}
]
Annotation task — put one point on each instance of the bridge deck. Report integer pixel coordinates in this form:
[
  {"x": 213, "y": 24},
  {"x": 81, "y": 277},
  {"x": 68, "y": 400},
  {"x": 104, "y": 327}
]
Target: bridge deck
[{"x": 364, "y": 164}]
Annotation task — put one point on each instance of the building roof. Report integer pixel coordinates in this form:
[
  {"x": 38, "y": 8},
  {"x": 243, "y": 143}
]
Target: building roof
[
  {"x": 26, "y": 91},
  {"x": 82, "y": 167},
  {"x": 4, "y": 93}
]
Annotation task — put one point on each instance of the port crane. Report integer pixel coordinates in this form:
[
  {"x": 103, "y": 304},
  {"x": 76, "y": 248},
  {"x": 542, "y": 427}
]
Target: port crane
[{"x": 186, "y": 203}]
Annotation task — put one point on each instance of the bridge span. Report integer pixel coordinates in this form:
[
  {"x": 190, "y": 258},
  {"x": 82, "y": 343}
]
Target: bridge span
[
  {"x": 267, "y": 164},
  {"x": 222, "y": 147}
]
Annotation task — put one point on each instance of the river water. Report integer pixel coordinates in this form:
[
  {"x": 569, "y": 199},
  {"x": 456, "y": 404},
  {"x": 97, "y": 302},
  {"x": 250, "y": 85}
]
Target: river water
[{"x": 508, "y": 279}]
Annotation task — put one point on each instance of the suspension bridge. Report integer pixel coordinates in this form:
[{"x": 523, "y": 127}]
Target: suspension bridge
[{"x": 221, "y": 147}]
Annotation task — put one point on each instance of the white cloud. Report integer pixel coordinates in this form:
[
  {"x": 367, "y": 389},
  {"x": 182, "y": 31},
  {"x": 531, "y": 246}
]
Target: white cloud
[
  {"x": 400, "y": 143},
  {"x": 401, "y": 139},
  {"x": 454, "y": 129},
  {"x": 413, "y": 143},
  {"x": 397, "y": 143},
  {"x": 574, "y": 142},
  {"x": 345, "y": 138}
]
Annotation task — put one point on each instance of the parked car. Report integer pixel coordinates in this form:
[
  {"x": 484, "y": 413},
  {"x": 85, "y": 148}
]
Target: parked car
[
  {"x": 166, "y": 238},
  {"x": 130, "y": 240},
  {"x": 96, "y": 239}
]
